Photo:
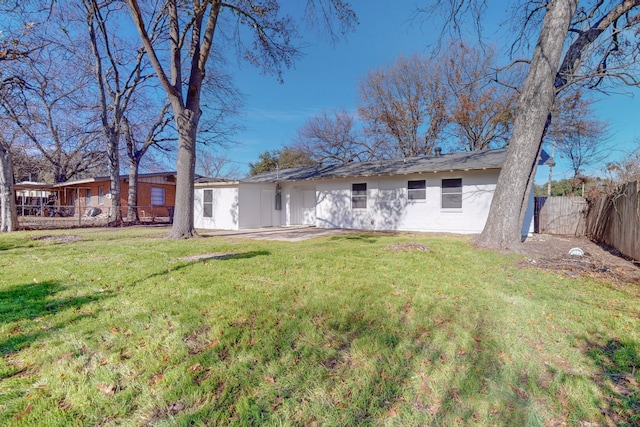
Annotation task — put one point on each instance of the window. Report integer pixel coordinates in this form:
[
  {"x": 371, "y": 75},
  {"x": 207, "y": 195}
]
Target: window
[
  {"x": 452, "y": 193},
  {"x": 207, "y": 204},
  {"x": 157, "y": 196},
  {"x": 87, "y": 197},
  {"x": 359, "y": 196},
  {"x": 101, "y": 195},
  {"x": 417, "y": 190}
]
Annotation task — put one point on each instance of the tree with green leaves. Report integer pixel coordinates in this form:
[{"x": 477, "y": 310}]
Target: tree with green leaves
[{"x": 288, "y": 157}]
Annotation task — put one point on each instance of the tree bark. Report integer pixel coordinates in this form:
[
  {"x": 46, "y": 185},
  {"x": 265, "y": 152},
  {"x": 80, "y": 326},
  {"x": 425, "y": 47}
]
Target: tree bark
[
  {"x": 509, "y": 204},
  {"x": 187, "y": 124},
  {"x": 132, "y": 196},
  {"x": 8, "y": 214},
  {"x": 113, "y": 145}
]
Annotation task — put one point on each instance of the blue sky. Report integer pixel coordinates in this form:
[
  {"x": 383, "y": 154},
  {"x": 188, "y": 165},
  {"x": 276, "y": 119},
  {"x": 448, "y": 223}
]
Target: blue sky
[{"x": 327, "y": 78}]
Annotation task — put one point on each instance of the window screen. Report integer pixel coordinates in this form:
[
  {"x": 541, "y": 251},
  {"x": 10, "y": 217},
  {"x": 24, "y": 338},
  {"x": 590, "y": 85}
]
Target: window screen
[
  {"x": 417, "y": 190},
  {"x": 452, "y": 193},
  {"x": 359, "y": 196},
  {"x": 157, "y": 196},
  {"x": 207, "y": 204}
]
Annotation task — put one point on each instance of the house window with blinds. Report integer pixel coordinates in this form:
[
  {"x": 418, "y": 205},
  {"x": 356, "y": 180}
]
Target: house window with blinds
[
  {"x": 157, "y": 196},
  {"x": 452, "y": 193},
  {"x": 207, "y": 204},
  {"x": 417, "y": 190},
  {"x": 359, "y": 196}
]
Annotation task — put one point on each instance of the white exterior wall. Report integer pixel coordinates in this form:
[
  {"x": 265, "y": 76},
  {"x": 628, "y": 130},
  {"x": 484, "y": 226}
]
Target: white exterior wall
[
  {"x": 225, "y": 208},
  {"x": 257, "y": 206},
  {"x": 388, "y": 207},
  {"x": 528, "y": 226},
  {"x": 298, "y": 204}
]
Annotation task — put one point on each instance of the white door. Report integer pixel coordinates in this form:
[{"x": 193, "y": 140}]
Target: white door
[
  {"x": 309, "y": 207},
  {"x": 266, "y": 207},
  {"x": 295, "y": 208}
]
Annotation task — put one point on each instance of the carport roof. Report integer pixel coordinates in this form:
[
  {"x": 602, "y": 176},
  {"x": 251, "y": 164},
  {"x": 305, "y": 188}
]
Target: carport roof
[{"x": 488, "y": 159}]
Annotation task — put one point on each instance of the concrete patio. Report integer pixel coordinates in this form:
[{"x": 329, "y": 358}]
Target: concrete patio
[{"x": 285, "y": 234}]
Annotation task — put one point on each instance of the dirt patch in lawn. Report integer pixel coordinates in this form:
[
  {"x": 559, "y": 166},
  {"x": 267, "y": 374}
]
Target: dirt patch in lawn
[
  {"x": 60, "y": 238},
  {"x": 409, "y": 246},
  {"x": 552, "y": 252}
]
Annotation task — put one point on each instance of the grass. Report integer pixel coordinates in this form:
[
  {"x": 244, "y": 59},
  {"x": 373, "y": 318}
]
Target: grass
[{"x": 127, "y": 328}]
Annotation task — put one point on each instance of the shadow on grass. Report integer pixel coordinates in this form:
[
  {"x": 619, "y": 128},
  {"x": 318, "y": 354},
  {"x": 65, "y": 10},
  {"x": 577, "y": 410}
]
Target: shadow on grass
[
  {"x": 7, "y": 246},
  {"x": 619, "y": 366},
  {"x": 246, "y": 255},
  {"x": 365, "y": 238},
  {"x": 363, "y": 367},
  {"x": 34, "y": 301},
  {"x": 195, "y": 259}
]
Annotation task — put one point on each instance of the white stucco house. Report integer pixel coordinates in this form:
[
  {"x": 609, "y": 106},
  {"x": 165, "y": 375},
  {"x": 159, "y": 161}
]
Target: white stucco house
[{"x": 444, "y": 193}]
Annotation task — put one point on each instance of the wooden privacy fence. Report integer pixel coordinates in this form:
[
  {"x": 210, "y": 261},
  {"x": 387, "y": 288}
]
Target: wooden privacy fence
[
  {"x": 560, "y": 215},
  {"x": 615, "y": 220}
]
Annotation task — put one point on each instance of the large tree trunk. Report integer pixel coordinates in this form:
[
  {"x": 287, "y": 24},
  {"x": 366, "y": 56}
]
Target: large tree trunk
[
  {"x": 509, "y": 204},
  {"x": 113, "y": 154},
  {"x": 187, "y": 124},
  {"x": 8, "y": 214},
  {"x": 132, "y": 196}
]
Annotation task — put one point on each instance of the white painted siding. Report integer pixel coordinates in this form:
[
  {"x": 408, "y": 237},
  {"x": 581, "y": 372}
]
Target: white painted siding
[
  {"x": 267, "y": 199},
  {"x": 298, "y": 204},
  {"x": 251, "y": 206},
  {"x": 388, "y": 207},
  {"x": 225, "y": 209},
  {"x": 309, "y": 207},
  {"x": 327, "y": 204}
]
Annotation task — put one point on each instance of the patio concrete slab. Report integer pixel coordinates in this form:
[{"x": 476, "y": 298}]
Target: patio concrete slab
[{"x": 285, "y": 234}]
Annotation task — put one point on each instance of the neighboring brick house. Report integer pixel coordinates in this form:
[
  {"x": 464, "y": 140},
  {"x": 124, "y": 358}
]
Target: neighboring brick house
[{"x": 156, "y": 195}]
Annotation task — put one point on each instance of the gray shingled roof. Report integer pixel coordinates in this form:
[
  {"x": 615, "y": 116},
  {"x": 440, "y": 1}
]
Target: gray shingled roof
[{"x": 489, "y": 159}]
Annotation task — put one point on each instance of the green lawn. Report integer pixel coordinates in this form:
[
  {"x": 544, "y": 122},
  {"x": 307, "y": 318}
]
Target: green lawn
[{"x": 123, "y": 328}]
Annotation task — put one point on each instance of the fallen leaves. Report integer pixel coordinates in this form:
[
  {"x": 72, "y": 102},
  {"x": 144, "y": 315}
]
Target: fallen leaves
[
  {"x": 107, "y": 389},
  {"x": 155, "y": 379},
  {"x": 25, "y": 412}
]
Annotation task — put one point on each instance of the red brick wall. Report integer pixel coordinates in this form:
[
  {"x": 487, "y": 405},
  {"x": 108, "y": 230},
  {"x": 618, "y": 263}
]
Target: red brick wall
[{"x": 69, "y": 193}]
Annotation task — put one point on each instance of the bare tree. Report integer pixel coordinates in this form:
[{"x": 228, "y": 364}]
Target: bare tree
[
  {"x": 52, "y": 116},
  {"x": 192, "y": 27},
  {"x": 405, "y": 103},
  {"x": 118, "y": 72},
  {"x": 333, "y": 138},
  {"x": 575, "y": 133},
  {"x": 625, "y": 170},
  {"x": 480, "y": 108},
  {"x": 8, "y": 213},
  {"x": 212, "y": 165},
  {"x": 139, "y": 138},
  {"x": 17, "y": 45},
  {"x": 588, "y": 43}
]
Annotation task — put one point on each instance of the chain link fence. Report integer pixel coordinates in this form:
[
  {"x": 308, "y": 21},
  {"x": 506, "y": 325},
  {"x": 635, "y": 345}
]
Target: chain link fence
[{"x": 60, "y": 217}]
